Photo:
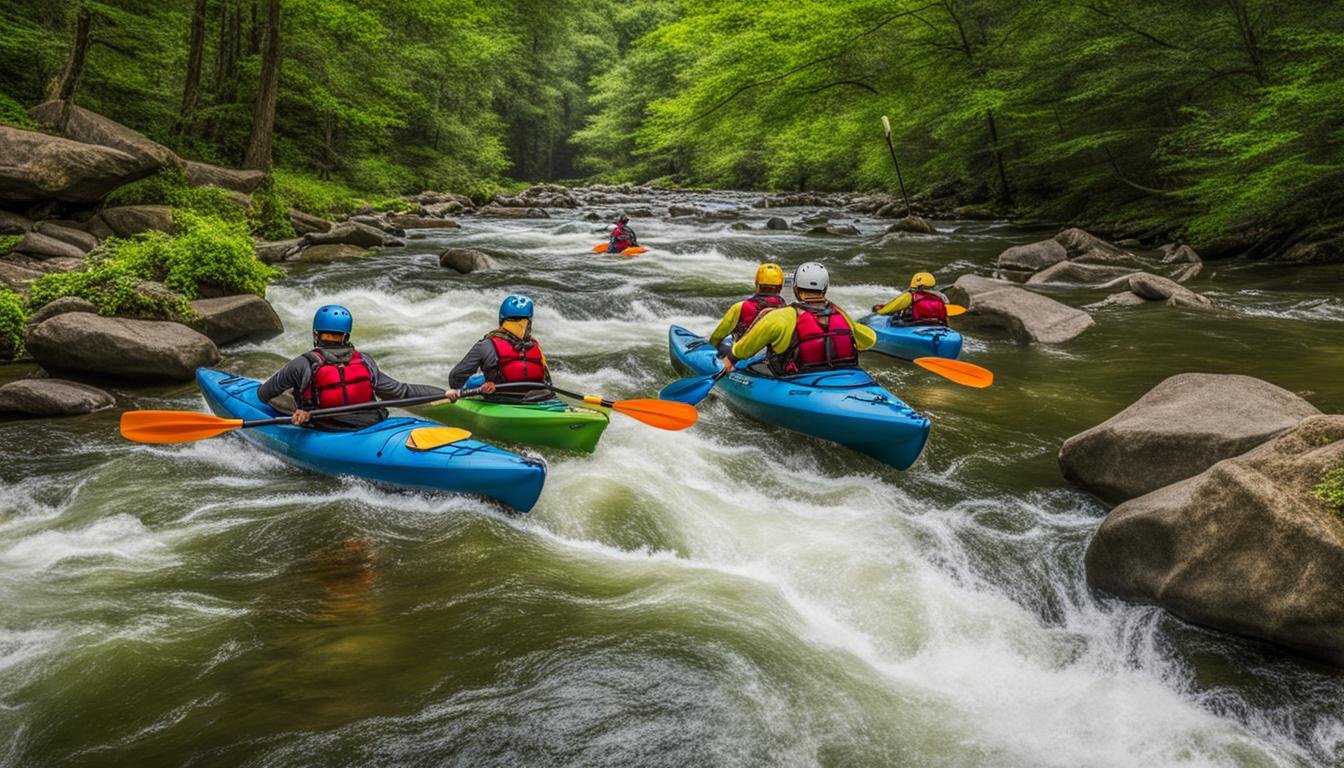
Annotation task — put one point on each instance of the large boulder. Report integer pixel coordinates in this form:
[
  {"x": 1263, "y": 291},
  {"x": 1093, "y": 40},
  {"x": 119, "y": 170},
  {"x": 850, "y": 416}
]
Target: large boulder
[
  {"x": 777, "y": 223},
  {"x": 322, "y": 254},
  {"x": 128, "y": 220},
  {"x": 1082, "y": 246},
  {"x": 1178, "y": 429},
  {"x": 444, "y": 208},
  {"x": 120, "y": 347},
  {"x": 1316, "y": 252},
  {"x": 237, "y": 318},
  {"x": 306, "y": 223},
  {"x": 502, "y": 212},
  {"x": 1242, "y": 547},
  {"x": 207, "y": 175},
  {"x": 1074, "y": 273},
  {"x": 1033, "y": 257},
  {"x": 42, "y": 246},
  {"x": 13, "y": 224},
  {"x": 52, "y": 397},
  {"x": 38, "y": 166},
  {"x": 276, "y": 251},
  {"x": 1156, "y": 288},
  {"x": 380, "y": 224},
  {"x": 76, "y": 237},
  {"x": 92, "y": 128},
  {"x": 352, "y": 233},
  {"x": 1027, "y": 317},
  {"x": 423, "y": 222},
  {"x": 465, "y": 260},
  {"x": 16, "y": 276},
  {"x": 59, "y": 307}
]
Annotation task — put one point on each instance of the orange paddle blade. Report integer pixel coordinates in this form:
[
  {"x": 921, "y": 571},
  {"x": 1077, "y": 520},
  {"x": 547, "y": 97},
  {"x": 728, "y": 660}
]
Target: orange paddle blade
[
  {"x": 955, "y": 309},
  {"x": 600, "y": 248},
  {"x": 968, "y": 374},
  {"x": 173, "y": 426},
  {"x": 662, "y": 414},
  {"x": 634, "y": 250}
]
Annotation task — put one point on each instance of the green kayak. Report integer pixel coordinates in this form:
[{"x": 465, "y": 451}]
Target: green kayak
[{"x": 552, "y": 423}]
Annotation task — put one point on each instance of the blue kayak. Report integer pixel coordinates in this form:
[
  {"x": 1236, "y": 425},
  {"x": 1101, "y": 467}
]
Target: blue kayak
[
  {"x": 379, "y": 453},
  {"x": 843, "y": 406},
  {"x": 911, "y": 341}
]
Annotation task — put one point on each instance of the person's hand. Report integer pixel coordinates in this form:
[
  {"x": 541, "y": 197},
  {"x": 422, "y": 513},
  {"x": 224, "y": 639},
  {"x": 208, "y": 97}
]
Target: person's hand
[
  {"x": 488, "y": 388},
  {"x": 878, "y": 307},
  {"x": 451, "y": 395},
  {"x": 299, "y": 417},
  {"x": 728, "y": 364}
]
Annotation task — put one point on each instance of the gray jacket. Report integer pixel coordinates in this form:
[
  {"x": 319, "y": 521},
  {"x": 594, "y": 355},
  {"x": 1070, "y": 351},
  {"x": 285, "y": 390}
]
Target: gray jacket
[{"x": 297, "y": 375}]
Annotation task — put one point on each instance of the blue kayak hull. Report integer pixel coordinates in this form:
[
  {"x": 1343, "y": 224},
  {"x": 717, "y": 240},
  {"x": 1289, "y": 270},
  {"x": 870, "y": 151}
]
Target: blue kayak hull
[
  {"x": 845, "y": 406},
  {"x": 912, "y": 341},
  {"x": 379, "y": 453}
]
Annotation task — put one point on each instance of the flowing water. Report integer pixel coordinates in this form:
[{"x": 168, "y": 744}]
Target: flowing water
[{"x": 730, "y": 595}]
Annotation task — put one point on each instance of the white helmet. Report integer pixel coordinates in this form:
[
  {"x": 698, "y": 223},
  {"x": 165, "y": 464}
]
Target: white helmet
[{"x": 811, "y": 277}]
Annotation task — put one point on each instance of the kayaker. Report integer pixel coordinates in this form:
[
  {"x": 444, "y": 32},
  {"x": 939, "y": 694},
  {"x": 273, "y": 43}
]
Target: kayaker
[
  {"x": 812, "y": 334},
  {"x": 740, "y": 316},
  {"x": 920, "y": 304},
  {"x": 507, "y": 355},
  {"x": 622, "y": 236},
  {"x": 334, "y": 373}
]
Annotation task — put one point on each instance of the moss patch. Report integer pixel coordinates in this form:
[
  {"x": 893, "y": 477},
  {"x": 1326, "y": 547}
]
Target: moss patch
[{"x": 1331, "y": 489}]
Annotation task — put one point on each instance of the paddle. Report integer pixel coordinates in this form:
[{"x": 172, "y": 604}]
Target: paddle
[
  {"x": 655, "y": 413},
  {"x": 955, "y": 309},
  {"x": 189, "y": 426},
  {"x": 692, "y": 390},
  {"x": 886, "y": 131},
  {"x": 959, "y": 371}
]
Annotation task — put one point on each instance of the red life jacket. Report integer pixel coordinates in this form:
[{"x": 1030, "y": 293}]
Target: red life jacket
[
  {"x": 333, "y": 384},
  {"x": 518, "y": 360},
  {"x": 622, "y": 237},
  {"x": 822, "y": 340},
  {"x": 927, "y": 307},
  {"x": 753, "y": 307}
]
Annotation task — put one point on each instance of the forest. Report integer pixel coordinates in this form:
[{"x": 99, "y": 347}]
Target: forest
[{"x": 1208, "y": 117}]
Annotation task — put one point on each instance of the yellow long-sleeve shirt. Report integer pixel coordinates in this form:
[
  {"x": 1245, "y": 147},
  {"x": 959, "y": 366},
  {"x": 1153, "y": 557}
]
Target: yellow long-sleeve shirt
[
  {"x": 897, "y": 304},
  {"x": 774, "y": 329},
  {"x": 727, "y": 324}
]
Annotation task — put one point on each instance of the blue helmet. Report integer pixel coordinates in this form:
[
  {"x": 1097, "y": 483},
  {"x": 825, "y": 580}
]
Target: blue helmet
[
  {"x": 515, "y": 306},
  {"x": 333, "y": 319}
]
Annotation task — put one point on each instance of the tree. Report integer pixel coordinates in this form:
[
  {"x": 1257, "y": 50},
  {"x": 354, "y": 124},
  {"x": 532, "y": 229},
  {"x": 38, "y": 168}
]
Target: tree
[
  {"x": 263, "y": 114},
  {"x": 64, "y": 87},
  {"x": 191, "y": 87}
]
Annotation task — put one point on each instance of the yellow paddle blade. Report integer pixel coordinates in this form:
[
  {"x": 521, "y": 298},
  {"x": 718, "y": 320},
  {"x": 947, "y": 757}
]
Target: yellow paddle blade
[
  {"x": 173, "y": 426},
  {"x": 663, "y": 414},
  {"x": 634, "y": 250},
  {"x": 968, "y": 374},
  {"x": 955, "y": 309},
  {"x": 429, "y": 438}
]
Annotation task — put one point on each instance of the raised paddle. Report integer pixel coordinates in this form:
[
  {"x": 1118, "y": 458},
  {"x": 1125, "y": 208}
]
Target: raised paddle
[
  {"x": 189, "y": 426},
  {"x": 959, "y": 371},
  {"x": 655, "y": 413},
  {"x": 955, "y": 309}
]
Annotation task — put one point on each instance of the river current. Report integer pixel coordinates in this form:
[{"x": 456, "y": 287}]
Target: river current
[{"x": 729, "y": 595}]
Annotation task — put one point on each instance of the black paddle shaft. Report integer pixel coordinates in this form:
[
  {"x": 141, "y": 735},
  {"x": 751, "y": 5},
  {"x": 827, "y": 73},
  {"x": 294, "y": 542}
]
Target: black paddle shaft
[
  {"x": 555, "y": 389},
  {"x": 323, "y": 412}
]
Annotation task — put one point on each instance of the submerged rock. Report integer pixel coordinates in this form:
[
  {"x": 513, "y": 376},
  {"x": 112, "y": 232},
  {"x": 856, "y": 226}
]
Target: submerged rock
[
  {"x": 1178, "y": 429},
  {"x": 777, "y": 223},
  {"x": 1073, "y": 273},
  {"x": 1027, "y": 317},
  {"x": 1155, "y": 288},
  {"x": 913, "y": 224},
  {"x": 465, "y": 260},
  {"x": 352, "y": 233},
  {"x": 120, "y": 347},
  {"x": 52, "y": 397},
  {"x": 1242, "y": 547}
]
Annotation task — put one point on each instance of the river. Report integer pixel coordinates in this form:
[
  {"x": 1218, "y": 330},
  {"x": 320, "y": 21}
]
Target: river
[{"x": 729, "y": 595}]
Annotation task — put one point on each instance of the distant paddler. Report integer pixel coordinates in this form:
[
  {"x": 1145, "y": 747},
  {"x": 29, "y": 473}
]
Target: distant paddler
[
  {"x": 920, "y": 304},
  {"x": 622, "y": 236}
]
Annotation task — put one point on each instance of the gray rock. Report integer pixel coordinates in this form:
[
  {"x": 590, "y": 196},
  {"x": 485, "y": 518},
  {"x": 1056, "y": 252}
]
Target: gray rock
[
  {"x": 1155, "y": 288},
  {"x": 76, "y": 237},
  {"x": 776, "y": 223},
  {"x": 120, "y": 347},
  {"x": 501, "y": 212},
  {"x": 1178, "y": 429},
  {"x": 128, "y": 220},
  {"x": 352, "y": 233},
  {"x": 451, "y": 206},
  {"x": 237, "y": 318},
  {"x": 60, "y": 264},
  {"x": 207, "y": 175},
  {"x": 913, "y": 224},
  {"x": 276, "y": 251},
  {"x": 423, "y": 222},
  {"x": 305, "y": 224},
  {"x": 59, "y": 307},
  {"x": 327, "y": 253},
  {"x": 465, "y": 260},
  {"x": 98, "y": 228},
  {"x": 39, "y": 166},
  {"x": 592, "y": 216},
  {"x": 1318, "y": 252},
  {"x": 92, "y": 128},
  {"x": 42, "y": 246},
  {"x": 1073, "y": 273},
  {"x": 13, "y": 224},
  {"x": 1033, "y": 257},
  {"x": 379, "y": 224},
  {"x": 1184, "y": 273},
  {"x": 639, "y": 213},
  {"x": 1082, "y": 246},
  {"x": 681, "y": 210},
  {"x": 52, "y": 397},
  {"x": 16, "y": 277},
  {"x": 1027, "y": 317},
  {"x": 739, "y": 226},
  {"x": 1182, "y": 255},
  {"x": 834, "y": 229},
  {"x": 1242, "y": 547},
  {"x": 1118, "y": 301}
]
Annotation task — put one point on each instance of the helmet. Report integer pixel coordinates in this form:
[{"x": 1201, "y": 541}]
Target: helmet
[
  {"x": 515, "y": 306},
  {"x": 811, "y": 277},
  {"x": 769, "y": 274},
  {"x": 922, "y": 280},
  {"x": 333, "y": 319},
  {"x": 623, "y": 220}
]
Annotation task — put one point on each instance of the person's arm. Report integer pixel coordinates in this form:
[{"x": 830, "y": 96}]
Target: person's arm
[
  {"x": 473, "y": 361},
  {"x": 864, "y": 337},
  {"x": 896, "y": 305},
  {"x": 727, "y": 324},
  {"x": 388, "y": 388},
  {"x": 290, "y": 377},
  {"x": 772, "y": 328}
]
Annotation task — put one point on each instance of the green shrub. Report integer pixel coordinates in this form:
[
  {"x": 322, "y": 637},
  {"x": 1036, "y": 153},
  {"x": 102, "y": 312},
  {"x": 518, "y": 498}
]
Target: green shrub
[
  {"x": 268, "y": 214},
  {"x": 111, "y": 285},
  {"x": 215, "y": 252},
  {"x": 9, "y": 241},
  {"x": 170, "y": 187},
  {"x": 1331, "y": 489},
  {"x": 13, "y": 113},
  {"x": 315, "y": 196},
  {"x": 393, "y": 205},
  {"x": 13, "y": 315}
]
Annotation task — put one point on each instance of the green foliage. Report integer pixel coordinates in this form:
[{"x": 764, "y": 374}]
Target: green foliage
[
  {"x": 1331, "y": 489},
  {"x": 13, "y": 315},
  {"x": 112, "y": 285},
  {"x": 325, "y": 199},
  {"x": 269, "y": 215},
  {"x": 9, "y": 241},
  {"x": 12, "y": 113},
  {"x": 170, "y": 187}
]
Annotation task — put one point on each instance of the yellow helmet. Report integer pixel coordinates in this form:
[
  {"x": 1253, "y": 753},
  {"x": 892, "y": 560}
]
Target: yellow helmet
[
  {"x": 922, "y": 280},
  {"x": 770, "y": 274}
]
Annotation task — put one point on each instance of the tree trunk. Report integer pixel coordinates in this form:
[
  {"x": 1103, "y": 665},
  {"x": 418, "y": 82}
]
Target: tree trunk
[
  {"x": 263, "y": 113},
  {"x": 254, "y": 39},
  {"x": 64, "y": 88},
  {"x": 998, "y": 158},
  {"x": 191, "y": 90}
]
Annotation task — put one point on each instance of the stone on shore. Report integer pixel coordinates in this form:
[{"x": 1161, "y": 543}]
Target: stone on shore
[
  {"x": 59, "y": 307},
  {"x": 41, "y": 246},
  {"x": 76, "y": 237},
  {"x": 92, "y": 128},
  {"x": 128, "y": 220},
  {"x": 39, "y": 166},
  {"x": 1033, "y": 257},
  {"x": 276, "y": 251},
  {"x": 52, "y": 397},
  {"x": 1178, "y": 429},
  {"x": 423, "y": 222},
  {"x": 1027, "y": 317},
  {"x": 119, "y": 347},
  {"x": 305, "y": 223},
  {"x": 13, "y": 224},
  {"x": 321, "y": 254},
  {"x": 352, "y": 233},
  {"x": 237, "y": 318},
  {"x": 238, "y": 180}
]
